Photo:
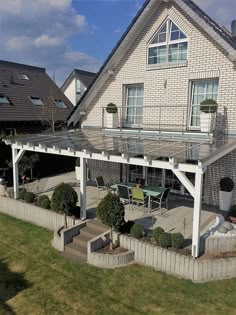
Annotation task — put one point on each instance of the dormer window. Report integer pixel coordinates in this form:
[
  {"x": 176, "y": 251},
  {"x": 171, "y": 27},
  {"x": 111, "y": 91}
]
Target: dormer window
[
  {"x": 4, "y": 100},
  {"x": 37, "y": 101},
  {"x": 60, "y": 104},
  {"x": 169, "y": 45},
  {"x": 22, "y": 76}
]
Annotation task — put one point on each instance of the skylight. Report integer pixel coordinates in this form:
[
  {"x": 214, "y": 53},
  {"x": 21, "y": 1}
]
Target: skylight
[
  {"x": 37, "y": 101},
  {"x": 60, "y": 104},
  {"x": 22, "y": 76},
  {"x": 4, "y": 100}
]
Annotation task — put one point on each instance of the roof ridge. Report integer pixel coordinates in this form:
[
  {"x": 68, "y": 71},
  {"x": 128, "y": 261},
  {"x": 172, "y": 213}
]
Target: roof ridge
[
  {"x": 85, "y": 72},
  {"x": 21, "y": 65}
]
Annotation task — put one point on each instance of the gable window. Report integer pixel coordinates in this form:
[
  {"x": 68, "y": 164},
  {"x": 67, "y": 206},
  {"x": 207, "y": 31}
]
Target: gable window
[
  {"x": 60, "y": 104},
  {"x": 4, "y": 100},
  {"x": 22, "y": 76},
  {"x": 201, "y": 90},
  {"x": 169, "y": 45},
  {"x": 37, "y": 101}
]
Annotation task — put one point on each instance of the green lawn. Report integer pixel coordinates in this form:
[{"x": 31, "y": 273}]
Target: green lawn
[{"x": 35, "y": 279}]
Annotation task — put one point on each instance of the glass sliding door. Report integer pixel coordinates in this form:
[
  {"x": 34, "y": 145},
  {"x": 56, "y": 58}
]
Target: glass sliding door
[
  {"x": 201, "y": 90},
  {"x": 134, "y": 106}
]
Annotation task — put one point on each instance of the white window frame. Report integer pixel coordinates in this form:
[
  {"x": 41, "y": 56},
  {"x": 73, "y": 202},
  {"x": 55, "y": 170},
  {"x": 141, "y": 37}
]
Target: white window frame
[
  {"x": 38, "y": 98},
  {"x": 192, "y": 82},
  {"x": 167, "y": 43}
]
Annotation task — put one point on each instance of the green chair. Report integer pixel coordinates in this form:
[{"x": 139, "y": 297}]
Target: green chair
[{"x": 138, "y": 197}]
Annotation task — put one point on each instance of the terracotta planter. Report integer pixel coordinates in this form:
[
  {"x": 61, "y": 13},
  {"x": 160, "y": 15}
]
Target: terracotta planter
[
  {"x": 207, "y": 122},
  {"x": 225, "y": 200}
]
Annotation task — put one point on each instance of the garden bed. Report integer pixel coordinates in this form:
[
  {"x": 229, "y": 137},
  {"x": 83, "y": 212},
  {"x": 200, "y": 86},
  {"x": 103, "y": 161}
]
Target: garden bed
[
  {"x": 115, "y": 250},
  {"x": 218, "y": 255}
]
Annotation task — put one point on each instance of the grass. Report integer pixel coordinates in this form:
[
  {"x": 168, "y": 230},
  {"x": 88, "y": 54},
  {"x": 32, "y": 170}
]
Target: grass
[{"x": 35, "y": 279}]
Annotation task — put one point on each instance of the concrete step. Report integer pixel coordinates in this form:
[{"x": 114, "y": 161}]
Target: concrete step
[
  {"x": 73, "y": 257},
  {"x": 89, "y": 232},
  {"x": 97, "y": 226},
  {"x": 81, "y": 240},
  {"x": 76, "y": 250}
]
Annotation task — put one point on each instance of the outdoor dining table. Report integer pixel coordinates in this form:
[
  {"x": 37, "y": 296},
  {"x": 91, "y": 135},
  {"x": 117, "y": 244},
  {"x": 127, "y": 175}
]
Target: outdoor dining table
[{"x": 148, "y": 190}]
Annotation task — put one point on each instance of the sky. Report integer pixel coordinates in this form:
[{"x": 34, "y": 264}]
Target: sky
[{"x": 61, "y": 35}]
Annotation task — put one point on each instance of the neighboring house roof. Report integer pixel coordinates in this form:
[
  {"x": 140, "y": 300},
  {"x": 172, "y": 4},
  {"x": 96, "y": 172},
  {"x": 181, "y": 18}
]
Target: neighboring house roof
[
  {"x": 218, "y": 33},
  {"x": 19, "y": 82},
  {"x": 85, "y": 77}
]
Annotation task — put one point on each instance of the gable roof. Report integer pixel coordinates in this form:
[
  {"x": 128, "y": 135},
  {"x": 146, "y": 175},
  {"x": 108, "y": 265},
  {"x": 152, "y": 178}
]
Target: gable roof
[
  {"x": 86, "y": 77},
  {"x": 223, "y": 37},
  {"x": 18, "y": 91}
]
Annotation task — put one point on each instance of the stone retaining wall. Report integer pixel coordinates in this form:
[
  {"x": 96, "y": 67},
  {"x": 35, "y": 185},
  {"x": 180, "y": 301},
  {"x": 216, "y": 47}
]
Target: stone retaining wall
[
  {"x": 111, "y": 261},
  {"x": 220, "y": 244},
  {"x": 179, "y": 265},
  {"x": 33, "y": 214}
]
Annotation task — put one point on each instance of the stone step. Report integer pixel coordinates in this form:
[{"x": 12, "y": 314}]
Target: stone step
[
  {"x": 97, "y": 226},
  {"x": 81, "y": 240},
  {"x": 89, "y": 232},
  {"x": 76, "y": 250}
]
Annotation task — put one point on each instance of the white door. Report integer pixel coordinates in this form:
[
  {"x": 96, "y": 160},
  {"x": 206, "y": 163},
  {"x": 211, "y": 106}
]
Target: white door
[{"x": 134, "y": 106}]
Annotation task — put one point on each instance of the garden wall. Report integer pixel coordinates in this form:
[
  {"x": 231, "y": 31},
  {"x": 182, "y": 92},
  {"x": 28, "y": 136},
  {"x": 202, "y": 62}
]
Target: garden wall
[
  {"x": 219, "y": 244},
  {"x": 33, "y": 214},
  {"x": 178, "y": 265},
  {"x": 111, "y": 261}
]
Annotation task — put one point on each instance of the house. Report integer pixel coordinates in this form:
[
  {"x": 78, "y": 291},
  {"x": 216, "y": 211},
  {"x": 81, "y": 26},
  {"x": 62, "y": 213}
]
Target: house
[
  {"x": 76, "y": 84},
  {"x": 30, "y": 101},
  {"x": 171, "y": 58}
]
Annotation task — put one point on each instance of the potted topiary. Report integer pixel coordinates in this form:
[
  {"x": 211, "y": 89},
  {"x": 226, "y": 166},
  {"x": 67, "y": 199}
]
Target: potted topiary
[
  {"x": 111, "y": 116},
  {"x": 208, "y": 110},
  {"x": 77, "y": 168},
  {"x": 225, "y": 195}
]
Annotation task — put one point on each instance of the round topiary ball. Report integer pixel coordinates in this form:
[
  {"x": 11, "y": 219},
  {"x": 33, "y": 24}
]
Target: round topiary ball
[
  {"x": 137, "y": 230},
  {"x": 177, "y": 240},
  {"x": 45, "y": 203},
  {"x": 29, "y": 197},
  {"x": 22, "y": 192},
  {"x": 165, "y": 240},
  {"x": 40, "y": 199},
  {"x": 64, "y": 198},
  {"x": 157, "y": 232}
]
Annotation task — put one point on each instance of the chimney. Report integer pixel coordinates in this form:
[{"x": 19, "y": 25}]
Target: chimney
[{"x": 233, "y": 28}]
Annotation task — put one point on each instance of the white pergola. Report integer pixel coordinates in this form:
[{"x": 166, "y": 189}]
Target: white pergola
[{"x": 177, "y": 152}]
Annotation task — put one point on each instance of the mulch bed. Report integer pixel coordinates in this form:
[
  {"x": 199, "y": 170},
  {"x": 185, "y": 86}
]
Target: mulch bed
[
  {"x": 218, "y": 255},
  {"x": 116, "y": 250}
]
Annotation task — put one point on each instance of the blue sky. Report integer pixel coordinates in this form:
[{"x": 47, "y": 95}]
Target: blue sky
[{"x": 62, "y": 35}]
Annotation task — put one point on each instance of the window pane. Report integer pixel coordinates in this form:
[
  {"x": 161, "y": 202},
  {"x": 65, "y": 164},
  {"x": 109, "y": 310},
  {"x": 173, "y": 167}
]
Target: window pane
[
  {"x": 4, "y": 100},
  {"x": 162, "y": 38},
  {"x": 134, "y": 112},
  {"x": 183, "y": 51},
  {"x": 174, "y": 35}
]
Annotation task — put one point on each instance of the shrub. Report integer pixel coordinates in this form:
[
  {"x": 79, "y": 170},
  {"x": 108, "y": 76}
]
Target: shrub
[
  {"x": 157, "y": 232},
  {"x": 177, "y": 240},
  {"x": 126, "y": 227},
  {"x": 40, "y": 199},
  {"x": 29, "y": 197},
  {"x": 232, "y": 211},
  {"x": 64, "y": 198},
  {"x": 226, "y": 184},
  {"x": 165, "y": 240},
  {"x": 137, "y": 230},
  {"x": 111, "y": 211},
  {"x": 22, "y": 192},
  {"x": 111, "y": 108},
  {"x": 45, "y": 203},
  {"x": 75, "y": 211},
  {"x": 208, "y": 106}
]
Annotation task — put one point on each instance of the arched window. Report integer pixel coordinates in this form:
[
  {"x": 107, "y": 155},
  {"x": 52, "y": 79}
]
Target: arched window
[{"x": 169, "y": 45}]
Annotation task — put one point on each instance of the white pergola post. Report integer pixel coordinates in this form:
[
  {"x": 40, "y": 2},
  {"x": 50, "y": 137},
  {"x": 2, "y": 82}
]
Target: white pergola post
[
  {"x": 83, "y": 177},
  {"x": 197, "y": 214},
  {"x": 16, "y": 156}
]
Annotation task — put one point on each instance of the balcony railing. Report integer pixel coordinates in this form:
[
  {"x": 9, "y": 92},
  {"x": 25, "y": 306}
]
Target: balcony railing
[{"x": 157, "y": 118}]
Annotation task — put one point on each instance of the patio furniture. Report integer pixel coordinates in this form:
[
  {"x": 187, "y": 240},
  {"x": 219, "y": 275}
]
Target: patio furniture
[
  {"x": 101, "y": 186},
  {"x": 124, "y": 193},
  {"x": 139, "y": 197},
  {"x": 163, "y": 199}
]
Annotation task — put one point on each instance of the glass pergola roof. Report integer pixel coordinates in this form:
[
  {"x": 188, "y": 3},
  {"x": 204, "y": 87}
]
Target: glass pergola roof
[{"x": 182, "y": 148}]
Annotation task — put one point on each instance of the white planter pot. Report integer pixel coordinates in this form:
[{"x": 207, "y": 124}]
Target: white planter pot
[
  {"x": 77, "y": 172},
  {"x": 207, "y": 122},
  {"x": 111, "y": 120},
  {"x": 225, "y": 200}
]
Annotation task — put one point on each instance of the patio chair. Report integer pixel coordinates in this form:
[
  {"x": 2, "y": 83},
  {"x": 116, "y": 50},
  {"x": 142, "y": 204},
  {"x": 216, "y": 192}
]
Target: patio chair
[
  {"x": 163, "y": 199},
  {"x": 124, "y": 193},
  {"x": 101, "y": 186},
  {"x": 138, "y": 197}
]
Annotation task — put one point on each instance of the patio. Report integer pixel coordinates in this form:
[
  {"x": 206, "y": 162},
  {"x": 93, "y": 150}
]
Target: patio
[{"x": 179, "y": 217}]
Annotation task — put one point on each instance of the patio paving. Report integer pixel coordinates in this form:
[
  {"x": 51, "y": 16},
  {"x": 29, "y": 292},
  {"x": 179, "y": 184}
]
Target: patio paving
[{"x": 178, "y": 218}]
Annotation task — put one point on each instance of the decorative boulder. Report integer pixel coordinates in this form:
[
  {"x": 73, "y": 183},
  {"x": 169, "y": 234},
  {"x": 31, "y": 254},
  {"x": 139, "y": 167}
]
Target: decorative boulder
[
  {"x": 222, "y": 230},
  {"x": 229, "y": 226}
]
